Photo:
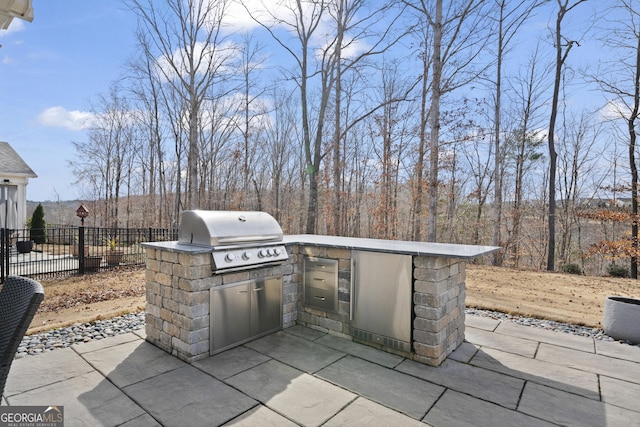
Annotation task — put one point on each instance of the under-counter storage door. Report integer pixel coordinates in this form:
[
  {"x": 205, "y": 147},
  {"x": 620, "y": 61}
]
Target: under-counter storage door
[
  {"x": 231, "y": 322},
  {"x": 266, "y": 305},
  {"x": 381, "y": 299}
]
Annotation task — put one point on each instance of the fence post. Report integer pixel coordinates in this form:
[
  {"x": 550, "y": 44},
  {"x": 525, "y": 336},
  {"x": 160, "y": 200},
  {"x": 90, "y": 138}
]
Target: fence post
[
  {"x": 81, "y": 253},
  {"x": 4, "y": 246}
]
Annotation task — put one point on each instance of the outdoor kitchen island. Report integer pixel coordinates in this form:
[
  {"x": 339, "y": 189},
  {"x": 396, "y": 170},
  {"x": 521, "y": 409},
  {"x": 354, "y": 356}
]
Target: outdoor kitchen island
[
  {"x": 180, "y": 284},
  {"x": 422, "y": 319}
]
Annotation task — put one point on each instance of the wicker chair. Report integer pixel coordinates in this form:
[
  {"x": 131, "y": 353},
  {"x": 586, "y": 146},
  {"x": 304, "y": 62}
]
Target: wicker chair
[{"x": 19, "y": 300}]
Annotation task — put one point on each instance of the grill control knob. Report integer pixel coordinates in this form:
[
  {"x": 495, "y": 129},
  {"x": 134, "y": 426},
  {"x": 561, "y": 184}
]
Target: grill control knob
[
  {"x": 262, "y": 253},
  {"x": 230, "y": 257},
  {"x": 246, "y": 255},
  {"x": 269, "y": 252},
  {"x": 276, "y": 251}
]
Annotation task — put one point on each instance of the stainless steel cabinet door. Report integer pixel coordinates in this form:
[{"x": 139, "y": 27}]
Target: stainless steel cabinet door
[
  {"x": 266, "y": 305},
  {"x": 231, "y": 315},
  {"x": 381, "y": 294}
]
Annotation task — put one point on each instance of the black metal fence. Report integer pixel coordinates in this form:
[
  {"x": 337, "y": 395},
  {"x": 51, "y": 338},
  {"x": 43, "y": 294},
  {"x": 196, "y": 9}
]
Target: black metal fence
[{"x": 60, "y": 251}]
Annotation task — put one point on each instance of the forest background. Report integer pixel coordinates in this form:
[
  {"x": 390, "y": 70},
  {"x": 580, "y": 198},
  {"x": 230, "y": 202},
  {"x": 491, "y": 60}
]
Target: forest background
[{"x": 463, "y": 121}]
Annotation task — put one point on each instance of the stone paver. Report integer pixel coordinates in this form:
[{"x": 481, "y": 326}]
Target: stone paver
[
  {"x": 596, "y": 363},
  {"x": 618, "y": 350},
  {"x": 465, "y": 352},
  {"x": 390, "y": 388},
  {"x": 480, "y": 322},
  {"x": 460, "y": 410},
  {"x": 88, "y": 400},
  {"x": 298, "y": 352},
  {"x": 94, "y": 345},
  {"x": 31, "y": 372},
  {"x": 360, "y": 350},
  {"x": 569, "y": 409},
  {"x": 295, "y": 394},
  {"x": 302, "y": 376},
  {"x": 131, "y": 362},
  {"x": 365, "y": 413},
  {"x": 186, "y": 394},
  {"x": 231, "y": 362},
  {"x": 502, "y": 342},
  {"x": 485, "y": 384},
  {"x": 538, "y": 371},
  {"x": 543, "y": 335},
  {"x": 261, "y": 416},
  {"x": 620, "y": 393}
]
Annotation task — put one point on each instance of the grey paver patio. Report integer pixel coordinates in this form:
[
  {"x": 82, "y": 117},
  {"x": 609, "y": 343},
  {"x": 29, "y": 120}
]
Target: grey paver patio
[{"x": 303, "y": 376}]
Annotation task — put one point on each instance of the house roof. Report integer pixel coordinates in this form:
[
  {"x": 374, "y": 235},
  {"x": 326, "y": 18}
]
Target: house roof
[
  {"x": 12, "y": 164},
  {"x": 22, "y": 9}
]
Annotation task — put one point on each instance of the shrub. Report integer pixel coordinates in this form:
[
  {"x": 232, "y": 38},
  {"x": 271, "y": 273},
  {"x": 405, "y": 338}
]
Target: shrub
[
  {"x": 615, "y": 270},
  {"x": 572, "y": 269},
  {"x": 38, "y": 232}
]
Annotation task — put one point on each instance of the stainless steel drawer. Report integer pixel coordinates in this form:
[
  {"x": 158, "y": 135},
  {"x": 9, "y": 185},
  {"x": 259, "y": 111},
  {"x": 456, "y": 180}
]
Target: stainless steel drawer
[
  {"x": 322, "y": 299},
  {"x": 321, "y": 283},
  {"x": 320, "y": 279},
  {"x": 320, "y": 264}
]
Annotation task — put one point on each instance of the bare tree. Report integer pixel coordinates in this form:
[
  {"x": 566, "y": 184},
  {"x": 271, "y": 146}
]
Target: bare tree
[
  {"x": 562, "y": 46},
  {"x": 578, "y": 158},
  {"x": 105, "y": 154},
  {"x": 523, "y": 142},
  {"x": 189, "y": 50},
  {"x": 510, "y": 18},
  {"x": 621, "y": 79},
  {"x": 458, "y": 38}
]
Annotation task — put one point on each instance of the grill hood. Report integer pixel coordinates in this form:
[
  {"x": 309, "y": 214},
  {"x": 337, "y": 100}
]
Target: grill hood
[{"x": 225, "y": 228}]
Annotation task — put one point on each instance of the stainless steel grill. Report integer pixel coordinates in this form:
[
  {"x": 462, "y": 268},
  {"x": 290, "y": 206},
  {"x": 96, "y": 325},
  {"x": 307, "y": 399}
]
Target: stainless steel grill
[{"x": 238, "y": 240}]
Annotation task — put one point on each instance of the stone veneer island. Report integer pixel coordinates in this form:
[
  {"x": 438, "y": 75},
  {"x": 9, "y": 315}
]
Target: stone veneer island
[{"x": 179, "y": 282}]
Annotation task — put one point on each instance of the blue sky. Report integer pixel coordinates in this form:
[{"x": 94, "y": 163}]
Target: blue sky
[{"x": 52, "y": 68}]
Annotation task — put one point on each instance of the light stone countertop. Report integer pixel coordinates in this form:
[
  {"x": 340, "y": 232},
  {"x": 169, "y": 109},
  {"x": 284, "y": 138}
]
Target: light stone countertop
[{"x": 445, "y": 250}]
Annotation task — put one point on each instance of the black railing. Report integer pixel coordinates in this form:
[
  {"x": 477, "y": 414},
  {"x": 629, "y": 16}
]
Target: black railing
[{"x": 62, "y": 251}]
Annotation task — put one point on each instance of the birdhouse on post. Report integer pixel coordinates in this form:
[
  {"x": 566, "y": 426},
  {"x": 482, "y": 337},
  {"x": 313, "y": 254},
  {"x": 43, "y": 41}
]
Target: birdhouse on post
[{"x": 82, "y": 213}]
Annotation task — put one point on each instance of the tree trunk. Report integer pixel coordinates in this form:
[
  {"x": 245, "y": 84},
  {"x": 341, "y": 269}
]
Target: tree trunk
[{"x": 435, "y": 125}]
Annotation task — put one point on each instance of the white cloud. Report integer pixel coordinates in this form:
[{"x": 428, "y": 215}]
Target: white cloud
[
  {"x": 60, "y": 117},
  {"x": 615, "y": 110},
  {"x": 16, "y": 26},
  {"x": 238, "y": 15}
]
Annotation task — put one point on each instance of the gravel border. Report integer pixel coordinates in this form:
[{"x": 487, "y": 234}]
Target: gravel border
[{"x": 100, "y": 329}]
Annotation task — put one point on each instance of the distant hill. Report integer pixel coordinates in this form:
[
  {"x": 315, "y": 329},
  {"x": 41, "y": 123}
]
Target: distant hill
[{"x": 57, "y": 213}]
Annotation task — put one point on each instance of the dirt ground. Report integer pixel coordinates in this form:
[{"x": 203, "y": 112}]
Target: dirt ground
[
  {"x": 79, "y": 299},
  {"x": 554, "y": 296}
]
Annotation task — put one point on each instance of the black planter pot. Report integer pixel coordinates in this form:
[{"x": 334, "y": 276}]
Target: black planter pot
[{"x": 25, "y": 246}]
